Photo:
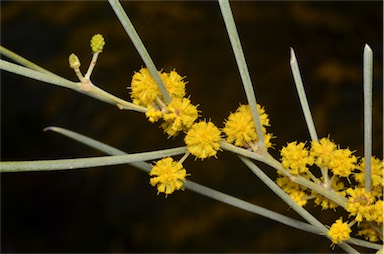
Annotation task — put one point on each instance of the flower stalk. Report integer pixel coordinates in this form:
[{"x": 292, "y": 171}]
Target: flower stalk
[{"x": 77, "y": 86}]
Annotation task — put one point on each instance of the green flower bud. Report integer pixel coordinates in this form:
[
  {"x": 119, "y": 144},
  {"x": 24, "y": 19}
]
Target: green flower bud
[
  {"x": 97, "y": 43},
  {"x": 74, "y": 61}
]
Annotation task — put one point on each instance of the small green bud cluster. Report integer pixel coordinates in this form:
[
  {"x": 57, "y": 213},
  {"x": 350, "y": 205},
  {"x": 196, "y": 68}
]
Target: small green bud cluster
[{"x": 97, "y": 43}]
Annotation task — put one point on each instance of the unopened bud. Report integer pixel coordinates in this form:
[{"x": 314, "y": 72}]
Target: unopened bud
[{"x": 74, "y": 61}]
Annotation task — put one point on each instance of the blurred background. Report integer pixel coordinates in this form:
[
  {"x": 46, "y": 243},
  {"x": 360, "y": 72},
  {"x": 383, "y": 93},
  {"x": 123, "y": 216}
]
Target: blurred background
[{"x": 114, "y": 209}]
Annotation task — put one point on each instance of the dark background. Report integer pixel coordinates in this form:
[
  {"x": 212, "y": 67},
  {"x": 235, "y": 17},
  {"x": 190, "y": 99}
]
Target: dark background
[{"x": 114, "y": 209}]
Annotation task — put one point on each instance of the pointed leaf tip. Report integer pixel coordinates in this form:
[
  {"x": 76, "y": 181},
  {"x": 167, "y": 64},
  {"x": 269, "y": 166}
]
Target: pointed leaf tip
[{"x": 293, "y": 56}]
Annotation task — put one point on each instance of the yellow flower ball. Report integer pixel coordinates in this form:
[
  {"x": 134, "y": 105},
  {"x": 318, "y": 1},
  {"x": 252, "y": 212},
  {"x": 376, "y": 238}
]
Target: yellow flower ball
[
  {"x": 179, "y": 116},
  {"x": 240, "y": 129},
  {"x": 203, "y": 139},
  {"x": 339, "y": 231},
  {"x": 97, "y": 43},
  {"x": 168, "y": 175}
]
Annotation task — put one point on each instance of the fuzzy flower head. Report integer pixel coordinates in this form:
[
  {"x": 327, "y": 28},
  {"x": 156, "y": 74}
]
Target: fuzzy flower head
[
  {"x": 145, "y": 91},
  {"x": 174, "y": 83},
  {"x": 322, "y": 151},
  {"x": 153, "y": 114},
  {"x": 203, "y": 139},
  {"x": 97, "y": 43},
  {"x": 179, "y": 116},
  {"x": 296, "y": 158},
  {"x": 339, "y": 231},
  {"x": 342, "y": 162},
  {"x": 326, "y": 154},
  {"x": 360, "y": 203},
  {"x": 168, "y": 175},
  {"x": 368, "y": 232},
  {"x": 144, "y": 88},
  {"x": 240, "y": 129},
  {"x": 376, "y": 212}
]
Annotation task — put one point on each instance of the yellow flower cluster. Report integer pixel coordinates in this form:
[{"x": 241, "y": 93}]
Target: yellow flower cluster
[
  {"x": 368, "y": 232},
  {"x": 339, "y": 231},
  {"x": 323, "y": 162},
  {"x": 203, "y": 140},
  {"x": 168, "y": 176},
  {"x": 145, "y": 91},
  {"x": 97, "y": 43},
  {"x": 178, "y": 115},
  {"x": 363, "y": 205},
  {"x": 296, "y": 158},
  {"x": 367, "y": 206},
  {"x": 240, "y": 128},
  {"x": 338, "y": 165},
  {"x": 334, "y": 169},
  {"x": 323, "y": 154},
  {"x": 326, "y": 154}
]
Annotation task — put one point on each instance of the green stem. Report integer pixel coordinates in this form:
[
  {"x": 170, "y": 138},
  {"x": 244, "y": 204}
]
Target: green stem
[
  {"x": 37, "y": 75},
  {"x": 264, "y": 157},
  {"x": 367, "y": 84},
  {"x": 86, "y": 140},
  {"x": 97, "y": 145},
  {"x": 243, "y": 68},
  {"x": 135, "y": 38},
  {"x": 21, "y": 60},
  {"x": 94, "y": 91},
  {"x": 233, "y": 201},
  {"x": 364, "y": 243},
  {"x": 185, "y": 156},
  {"x": 100, "y": 94},
  {"x": 67, "y": 164},
  {"x": 92, "y": 65},
  {"x": 241, "y": 151}
]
